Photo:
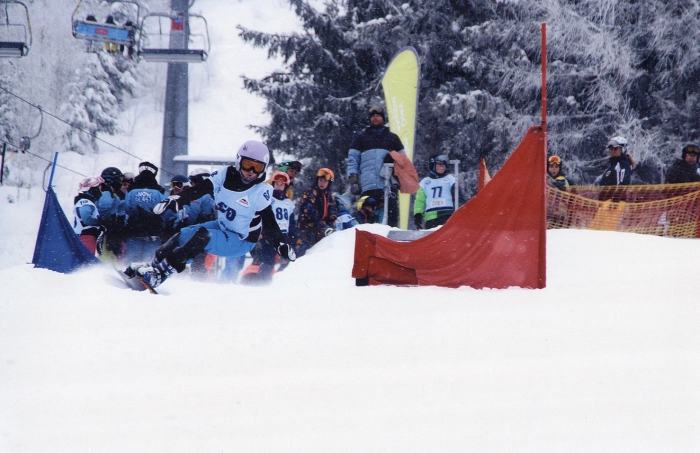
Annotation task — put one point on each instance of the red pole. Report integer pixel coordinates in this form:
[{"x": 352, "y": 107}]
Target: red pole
[{"x": 544, "y": 77}]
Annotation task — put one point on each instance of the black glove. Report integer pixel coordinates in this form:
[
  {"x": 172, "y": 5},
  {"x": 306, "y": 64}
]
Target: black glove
[
  {"x": 285, "y": 251},
  {"x": 328, "y": 231},
  {"x": 418, "y": 221}
]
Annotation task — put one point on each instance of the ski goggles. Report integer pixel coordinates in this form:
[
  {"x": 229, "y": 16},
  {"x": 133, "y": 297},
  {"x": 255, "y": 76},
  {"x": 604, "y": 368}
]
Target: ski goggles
[
  {"x": 692, "y": 150},
  {"x": 325, "y": 173},
  {"x": 280, "y": 177},
  {"x": 442, "y": 159},
  {"x": 555, "y": 160},
  {"x": 252, "y": 165},
  {"x": 177, "y": 184}
]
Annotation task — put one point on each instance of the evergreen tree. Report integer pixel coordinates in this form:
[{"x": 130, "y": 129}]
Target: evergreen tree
[
  {"x": 615, "y": 68},
  {"x": 92, "y": 107}
]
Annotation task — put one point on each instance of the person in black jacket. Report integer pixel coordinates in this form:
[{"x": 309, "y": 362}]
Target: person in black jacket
[
  {"x": 619, "y": 171},
  {"x": 367, "y": 155},
  {"x": 685, "y": 169}
]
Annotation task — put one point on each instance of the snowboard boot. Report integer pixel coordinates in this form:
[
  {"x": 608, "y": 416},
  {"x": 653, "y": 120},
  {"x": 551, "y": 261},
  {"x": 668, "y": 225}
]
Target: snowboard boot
[
  {"x": 152, "y": 274},
  {"x": 178, "y": 255}
]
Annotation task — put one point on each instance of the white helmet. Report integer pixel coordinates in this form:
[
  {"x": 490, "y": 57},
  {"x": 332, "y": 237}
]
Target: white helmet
[
  {"x": 256, "y": 152},
  {"x": 619, "y": 141}
]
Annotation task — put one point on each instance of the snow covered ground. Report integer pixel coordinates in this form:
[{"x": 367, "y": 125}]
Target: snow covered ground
[{"x": 606, "y": 358}]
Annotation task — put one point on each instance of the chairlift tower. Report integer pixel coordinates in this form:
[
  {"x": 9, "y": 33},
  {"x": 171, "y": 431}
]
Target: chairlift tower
[
  {"x": 182, "y": 47},
  {"x": 176, "y": 120}
]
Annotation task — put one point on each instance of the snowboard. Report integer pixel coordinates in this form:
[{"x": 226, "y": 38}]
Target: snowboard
[{"x": 135, "y": 282}]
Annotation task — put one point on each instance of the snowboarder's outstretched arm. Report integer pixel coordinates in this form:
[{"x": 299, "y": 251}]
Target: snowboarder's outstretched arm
[{"x": 271, "y": 230}]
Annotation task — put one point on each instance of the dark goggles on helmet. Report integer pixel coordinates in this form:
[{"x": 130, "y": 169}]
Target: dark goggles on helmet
[
  {"x": 294, "y": 165},
  {"x": 252, "y": 165},
  {"x": 441, "y": 159},
  {"x": 692, "y": 150},
  {"x": 376, "y": 111},
  {"x": 178, "y": 184}
]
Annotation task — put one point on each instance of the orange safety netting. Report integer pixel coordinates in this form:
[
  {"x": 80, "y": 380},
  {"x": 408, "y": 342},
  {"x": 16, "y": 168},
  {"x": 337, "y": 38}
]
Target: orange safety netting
[{"x": 660, "y": 210}]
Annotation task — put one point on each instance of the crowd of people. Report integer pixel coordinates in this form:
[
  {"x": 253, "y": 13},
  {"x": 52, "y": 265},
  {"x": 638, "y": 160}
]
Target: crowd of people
[
  {"x": 234, "y": 212},
  {"x": 621, "y": 165}
]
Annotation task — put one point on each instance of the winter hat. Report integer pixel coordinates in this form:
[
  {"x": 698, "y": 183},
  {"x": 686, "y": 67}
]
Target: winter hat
[
  {"x": 128, "y": 177},
  {"x": 88, "y": 183},
  {"x": 376, "y": 110},
  {"x": 147, "y": 166},
  {"x": 179, "y": 178},
  {"x": 690, "y": 149}
]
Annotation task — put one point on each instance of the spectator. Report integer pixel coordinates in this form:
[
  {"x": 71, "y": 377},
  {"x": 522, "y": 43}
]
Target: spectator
[
  {"x": 367, "y": 155},
  {"x": 685, "y": 169},
  {"x": 621, "y": 164},
  {"x": 86, "y": 222},
  {"x": 292, "y": 168},
  {"x": 366, "y": 210},
  {"x": 555, "y": 177},
  {"x": 345, "y": 219},
  {"x": 434, "y": 201},
  {"x": 318, "y": 212}
]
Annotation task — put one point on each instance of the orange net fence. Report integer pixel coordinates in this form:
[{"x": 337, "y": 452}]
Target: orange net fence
[{"x": 661, "y": 210}]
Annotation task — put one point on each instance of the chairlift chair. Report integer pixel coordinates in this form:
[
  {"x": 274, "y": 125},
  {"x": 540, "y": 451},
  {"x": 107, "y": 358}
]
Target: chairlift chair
[
  {"x": 155, "y": 39},
  {"x": 15, "y": 33},
  {"x": 110, "y": 33}
]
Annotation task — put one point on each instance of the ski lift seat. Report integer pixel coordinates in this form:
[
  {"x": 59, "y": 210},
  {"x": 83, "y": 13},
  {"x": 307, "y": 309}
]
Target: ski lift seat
[
  {"x": 104, "y": 33},
  {"x": 13, "y": 49},
  {"x": 173, "y": 55}
]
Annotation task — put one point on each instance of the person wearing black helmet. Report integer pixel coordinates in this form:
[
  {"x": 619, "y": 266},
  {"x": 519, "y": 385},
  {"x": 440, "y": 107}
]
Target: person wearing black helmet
[
  {"x": 434, "y": 202},
  {"x": 685, "y": 169},
  {"x": 368, "y": 154},
  {"x": 112, "y": 211},
  {"x": 144, "y": 229},
  {"x": 243, "y": 203}
]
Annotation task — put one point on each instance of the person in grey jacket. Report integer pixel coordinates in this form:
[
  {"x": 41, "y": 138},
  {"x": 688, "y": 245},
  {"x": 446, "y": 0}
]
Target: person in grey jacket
[{"x": 368, "y": 153}]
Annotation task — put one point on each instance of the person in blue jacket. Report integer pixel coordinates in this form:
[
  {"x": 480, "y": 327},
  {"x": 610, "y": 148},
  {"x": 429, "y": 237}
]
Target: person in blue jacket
[
  {"x": 143, "y": 228},
  {"x": 86, "y": 223},
  {"x": 112, "y": 213},
  {"x": 367, "y": 155},
  {"x": 243, "y": 204}
]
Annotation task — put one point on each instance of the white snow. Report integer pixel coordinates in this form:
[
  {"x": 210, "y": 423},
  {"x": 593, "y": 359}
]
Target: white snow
[{"x": 606, "y": 358}]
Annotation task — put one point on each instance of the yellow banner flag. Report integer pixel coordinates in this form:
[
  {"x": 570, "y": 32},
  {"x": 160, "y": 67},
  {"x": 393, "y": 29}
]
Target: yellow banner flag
[{"x": 400, "y": 84}]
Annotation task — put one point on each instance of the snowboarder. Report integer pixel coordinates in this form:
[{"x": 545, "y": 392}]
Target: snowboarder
[
  {"x": 243, "y": 202},
  {"x": 86, "y": 223}
]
